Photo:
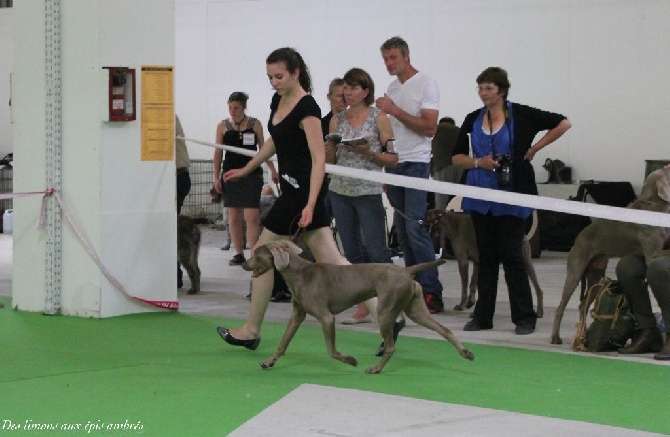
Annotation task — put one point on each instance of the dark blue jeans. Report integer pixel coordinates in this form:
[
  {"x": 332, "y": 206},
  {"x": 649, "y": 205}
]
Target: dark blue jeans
[
  {"x": 360, "y": 222},
  {"x": 413, "y": 237}
]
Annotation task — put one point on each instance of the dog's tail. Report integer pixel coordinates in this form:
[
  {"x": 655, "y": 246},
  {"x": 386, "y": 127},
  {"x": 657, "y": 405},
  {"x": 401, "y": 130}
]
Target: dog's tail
[{"x": 424, "y": 266}]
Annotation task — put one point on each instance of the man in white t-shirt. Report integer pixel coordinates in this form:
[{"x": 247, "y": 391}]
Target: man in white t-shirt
[{"x": 412, "y": 101}]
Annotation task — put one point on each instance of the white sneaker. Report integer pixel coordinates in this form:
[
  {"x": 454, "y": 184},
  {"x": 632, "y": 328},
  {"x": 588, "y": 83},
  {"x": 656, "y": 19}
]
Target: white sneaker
[{"x": 352, "y": 321}]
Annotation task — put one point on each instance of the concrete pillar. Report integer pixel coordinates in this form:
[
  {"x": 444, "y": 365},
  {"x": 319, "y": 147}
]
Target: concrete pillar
[{"x": 125, "y": 206}]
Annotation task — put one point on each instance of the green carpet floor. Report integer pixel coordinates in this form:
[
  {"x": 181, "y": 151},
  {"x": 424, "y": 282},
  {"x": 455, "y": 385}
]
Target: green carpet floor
[{"x": 170, "y": 374}]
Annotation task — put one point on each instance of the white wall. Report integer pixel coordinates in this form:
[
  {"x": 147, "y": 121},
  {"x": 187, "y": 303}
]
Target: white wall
[
  {"x": 601, "y": 63},
  {"x": 6, "y": 65}
]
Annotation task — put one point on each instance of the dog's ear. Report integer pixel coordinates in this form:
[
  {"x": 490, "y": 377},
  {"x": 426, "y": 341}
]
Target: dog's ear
[
  {"x": 663, "y": 186},
  {"x": 658, "y": 182},
  {"x": 291, "y": 247},
  {"x": 281, "y": 257}
]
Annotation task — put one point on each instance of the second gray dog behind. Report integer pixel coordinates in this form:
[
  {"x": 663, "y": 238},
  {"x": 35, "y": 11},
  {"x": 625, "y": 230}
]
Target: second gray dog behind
[{"x": 457, "y": 228}]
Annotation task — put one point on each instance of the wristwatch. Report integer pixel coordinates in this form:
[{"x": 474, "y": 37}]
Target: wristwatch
[{"x": 476, "y": 163}]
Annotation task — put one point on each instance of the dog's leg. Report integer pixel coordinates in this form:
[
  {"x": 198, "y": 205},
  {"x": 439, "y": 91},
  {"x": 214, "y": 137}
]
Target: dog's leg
[
  {"x": 193, "y": 271},
  {"x": 417, "y": 311},
  {"x": 328, "y": 326},
  {"x": 575, "y": 269},
  {"x": 389, "y": 348},
  {"x": 528, "y": 260},
  {"x": 473, "y": 285},
  {"x": 463, "y": 267},
  {"x": 297, "y": 317}
]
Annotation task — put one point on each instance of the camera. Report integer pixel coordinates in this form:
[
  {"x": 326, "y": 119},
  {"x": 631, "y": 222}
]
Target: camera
[{"x": 505, "y": 170}]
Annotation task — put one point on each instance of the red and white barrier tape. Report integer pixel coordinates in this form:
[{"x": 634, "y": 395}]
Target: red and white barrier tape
[{"x": 164, "y": 304}]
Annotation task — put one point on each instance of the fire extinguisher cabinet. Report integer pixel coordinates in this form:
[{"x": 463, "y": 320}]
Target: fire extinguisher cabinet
[{"x": 121, "y": 86}]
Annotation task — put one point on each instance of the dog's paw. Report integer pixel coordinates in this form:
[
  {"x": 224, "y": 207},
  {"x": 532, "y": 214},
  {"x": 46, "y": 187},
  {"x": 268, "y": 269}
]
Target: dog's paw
[
  {"x": 349, "y": 360},
  {"x": 193, "y": 291},
  {"x": 555, "y": 339},
  {"x": 540, "y": 313},
  {"x": 268, "y": 363},
  {"x": 374, "y": 370},
  {"x": 459, "y": 307},
  {"x": 467, "y": 354}
]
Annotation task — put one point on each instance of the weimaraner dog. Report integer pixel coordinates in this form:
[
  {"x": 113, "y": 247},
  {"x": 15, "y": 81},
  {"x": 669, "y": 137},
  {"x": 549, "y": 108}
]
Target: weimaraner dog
[
  {"x": 324, "y": 290},
  {"x": 457, "y": 228},
  {"x": 604, "y": 238}
]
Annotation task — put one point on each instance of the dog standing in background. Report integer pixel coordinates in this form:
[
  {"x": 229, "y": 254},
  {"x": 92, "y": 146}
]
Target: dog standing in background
[
  {"x": 604, "y": 239},
  {"x": 188, "y": 246},
  {"x": 456, "y": 228}
]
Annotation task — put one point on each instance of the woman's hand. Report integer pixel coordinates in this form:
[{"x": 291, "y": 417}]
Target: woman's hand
[
  {"x": 530, "y": 154},
  {"x": 331, "y": 152},
  {"x": 235, "y": 173},
  {"x": 217, "y": 186},
  {"x": 275, "y": 176},
  {"x": 488, "y": 163},
  {"x": 306, "y": 217}
]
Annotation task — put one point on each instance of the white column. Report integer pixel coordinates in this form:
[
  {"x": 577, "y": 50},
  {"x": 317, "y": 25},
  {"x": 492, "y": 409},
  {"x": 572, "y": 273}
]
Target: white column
[{"x": 124, "y": 206}]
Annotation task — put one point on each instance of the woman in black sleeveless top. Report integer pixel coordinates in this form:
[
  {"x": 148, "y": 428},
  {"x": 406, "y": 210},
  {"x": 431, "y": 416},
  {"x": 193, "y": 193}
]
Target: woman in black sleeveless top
[
  {"x": 241, "y": 196},
  {"x": 297, "y": 139}
]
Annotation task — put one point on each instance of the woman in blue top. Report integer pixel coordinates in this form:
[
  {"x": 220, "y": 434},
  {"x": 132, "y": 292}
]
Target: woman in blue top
[
  {"x": 502, "y": 136},
  {"x": 296, "y": 137}
]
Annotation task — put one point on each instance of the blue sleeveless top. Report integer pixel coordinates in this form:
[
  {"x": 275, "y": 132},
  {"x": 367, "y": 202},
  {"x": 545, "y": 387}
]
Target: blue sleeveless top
[{"x": 483, "y": 143}]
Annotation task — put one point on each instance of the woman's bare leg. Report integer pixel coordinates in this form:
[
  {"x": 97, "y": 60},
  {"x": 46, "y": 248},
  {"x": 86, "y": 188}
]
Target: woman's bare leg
[
  {"x": 253, "y": 225},
  {"x": 261, "y": 291},
  {"x": 236, "y": 231}
]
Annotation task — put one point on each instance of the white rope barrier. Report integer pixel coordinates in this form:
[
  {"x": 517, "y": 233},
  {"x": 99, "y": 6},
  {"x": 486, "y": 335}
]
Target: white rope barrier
[{"x": 536, "y": 202}]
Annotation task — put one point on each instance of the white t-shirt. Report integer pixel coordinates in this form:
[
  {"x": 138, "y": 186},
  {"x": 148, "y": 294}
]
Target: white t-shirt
[{"x": 418, "y": 92}]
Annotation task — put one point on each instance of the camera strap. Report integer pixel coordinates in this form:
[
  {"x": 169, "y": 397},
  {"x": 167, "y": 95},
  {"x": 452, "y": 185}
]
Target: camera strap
[{"x": 506, "y": 124}]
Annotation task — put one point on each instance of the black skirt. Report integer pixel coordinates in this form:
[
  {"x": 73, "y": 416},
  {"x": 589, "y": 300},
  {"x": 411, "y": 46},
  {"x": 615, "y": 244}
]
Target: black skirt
[{"x": 244, "y": 192}]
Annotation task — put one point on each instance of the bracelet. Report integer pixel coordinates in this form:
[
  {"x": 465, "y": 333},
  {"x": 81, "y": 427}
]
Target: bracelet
[{"x": 476, "y": 163}]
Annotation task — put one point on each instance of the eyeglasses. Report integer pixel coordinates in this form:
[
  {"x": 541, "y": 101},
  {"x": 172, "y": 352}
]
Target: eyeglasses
[{"x": 487, "y": 88}]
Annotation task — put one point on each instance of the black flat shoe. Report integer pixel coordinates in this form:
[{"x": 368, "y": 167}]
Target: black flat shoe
[
  {"x": 397, "y": 327},
  {"x": 249, "y": 344}
]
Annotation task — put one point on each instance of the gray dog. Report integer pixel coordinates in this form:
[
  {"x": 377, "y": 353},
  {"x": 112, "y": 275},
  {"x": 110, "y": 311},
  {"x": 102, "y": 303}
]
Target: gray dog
[
  {"x": 608, "y": 238},
  {"x": 188, "y": 246},
  {"x": 457, "y": 229},
  {"x": 324, "y": 290}
]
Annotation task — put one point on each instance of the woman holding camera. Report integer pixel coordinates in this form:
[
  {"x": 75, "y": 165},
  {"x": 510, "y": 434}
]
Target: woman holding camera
[{"x": 502, "y": 136}]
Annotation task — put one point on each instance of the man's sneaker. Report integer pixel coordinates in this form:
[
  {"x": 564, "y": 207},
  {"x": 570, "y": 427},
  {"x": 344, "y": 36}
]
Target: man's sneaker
[
  {"x": 237, "y": 260},
  {"x": 434, "y": 304}
]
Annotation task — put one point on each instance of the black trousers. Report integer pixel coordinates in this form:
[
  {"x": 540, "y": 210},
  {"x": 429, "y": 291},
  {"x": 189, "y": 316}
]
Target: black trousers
[
  {"x": 499, "y": 241},
  {"x": 183, "y": 186}
]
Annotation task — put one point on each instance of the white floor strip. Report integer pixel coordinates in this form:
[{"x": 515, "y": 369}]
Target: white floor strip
[{"x": 312, "y": 410}]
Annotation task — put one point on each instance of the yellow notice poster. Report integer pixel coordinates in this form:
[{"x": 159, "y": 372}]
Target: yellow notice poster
[{"x": 157, "y": 113}]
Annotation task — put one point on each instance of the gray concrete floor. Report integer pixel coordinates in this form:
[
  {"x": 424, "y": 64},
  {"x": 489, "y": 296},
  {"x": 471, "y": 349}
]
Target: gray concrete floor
[{"x": 224, "y": 290}]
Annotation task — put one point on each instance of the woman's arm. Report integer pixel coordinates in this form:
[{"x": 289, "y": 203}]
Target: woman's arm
[
  {"x": 331, "y": 147},
  {"x": 258, "y": 130},
  {"x": 265, "y": 153},
  {"x": 548, "y": 138},
  {"x": 218, "y": 156},
  {"x": 312, "y": 127},
  {"x": 390, "y": 158}
]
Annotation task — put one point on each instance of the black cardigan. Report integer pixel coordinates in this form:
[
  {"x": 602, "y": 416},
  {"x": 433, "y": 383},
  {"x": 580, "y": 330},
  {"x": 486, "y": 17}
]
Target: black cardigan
[{"x": 528, "y": 122}]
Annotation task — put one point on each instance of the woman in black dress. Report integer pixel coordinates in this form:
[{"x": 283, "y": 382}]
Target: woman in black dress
[
  {"x": 242, "y": 196},
  {"x": 296, "y": 138}
]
